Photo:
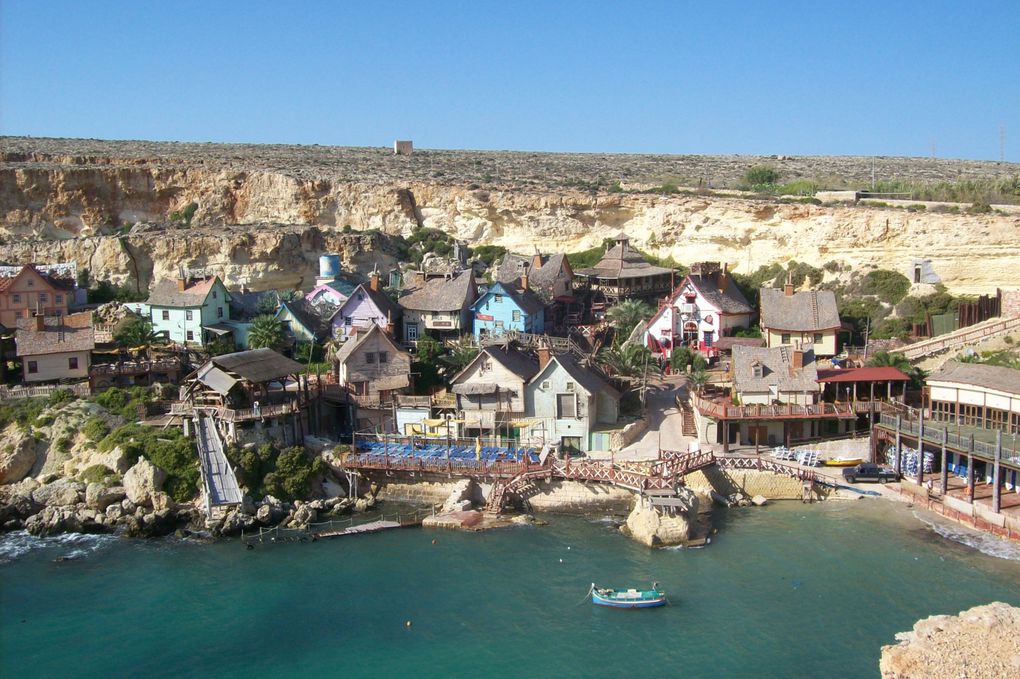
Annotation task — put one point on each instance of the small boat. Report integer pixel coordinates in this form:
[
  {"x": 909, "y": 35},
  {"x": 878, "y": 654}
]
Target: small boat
[
  {"x": 843, "y": 461},
  {"x": 628, "y": 598}
]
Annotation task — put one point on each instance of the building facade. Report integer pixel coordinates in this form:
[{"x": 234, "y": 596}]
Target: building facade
[
  {"x": 505, "y": 307},
  {"x": 807, "y": 319},
  {"x": 184, "y": 308},
  {"x": 28, "y": 290}
]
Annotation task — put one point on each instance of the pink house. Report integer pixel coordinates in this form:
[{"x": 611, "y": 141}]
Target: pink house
[
  {"x": 333, "y": 293},
  {"x": 368, "y": 305}
]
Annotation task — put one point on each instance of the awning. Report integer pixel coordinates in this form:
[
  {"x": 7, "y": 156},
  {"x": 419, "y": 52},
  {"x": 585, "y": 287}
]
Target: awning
[
  {"x": 474, "y": 389},
  {"x": 216, "y": 379},
  {"x": 219, "y": 329},
  {"x": 521, "y": 424},
  {"x": 437, "y": 422}
]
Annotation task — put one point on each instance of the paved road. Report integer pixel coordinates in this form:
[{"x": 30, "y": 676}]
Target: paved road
[{"x": 665, "y": 423}]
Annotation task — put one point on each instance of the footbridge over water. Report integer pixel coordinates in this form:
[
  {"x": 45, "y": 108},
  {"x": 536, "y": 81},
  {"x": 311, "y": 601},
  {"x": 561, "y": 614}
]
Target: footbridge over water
[{"x": 218, "y": 479}]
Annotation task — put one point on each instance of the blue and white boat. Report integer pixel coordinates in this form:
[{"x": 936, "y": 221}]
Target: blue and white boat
[{"x": 628, "y": 598}]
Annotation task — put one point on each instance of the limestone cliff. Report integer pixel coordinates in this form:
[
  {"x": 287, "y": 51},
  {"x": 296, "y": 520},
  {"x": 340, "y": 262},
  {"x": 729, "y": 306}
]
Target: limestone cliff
[{"x": 55, "y": 206}]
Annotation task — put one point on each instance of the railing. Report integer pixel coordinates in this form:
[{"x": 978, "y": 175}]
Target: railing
[
  {"x": 722, "y": 411},
  {"x": 9, "y": 393},
  {"x": 958, "y": 338},
  {"x": 933, "y": 433},
  {"x": 764, "y": 464},
  {"x": 134, "y": 367},
  {"x": 313, "y": 530},
  {"x": 239, "y": 414}
]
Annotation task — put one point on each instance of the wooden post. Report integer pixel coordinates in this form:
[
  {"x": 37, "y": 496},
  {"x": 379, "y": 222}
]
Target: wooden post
[
  {"x": 944, "y": 480},
  {"x": 726, "y": 436},
  {"x": 996, "y": 473},
  {"x": 970, "y": 472},
  {"x": 920, "y": 449},
  {"x": 898, "y": 467}
]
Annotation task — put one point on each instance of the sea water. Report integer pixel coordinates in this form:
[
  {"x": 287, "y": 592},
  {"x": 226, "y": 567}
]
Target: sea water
[{"x": 787, "y": 590}]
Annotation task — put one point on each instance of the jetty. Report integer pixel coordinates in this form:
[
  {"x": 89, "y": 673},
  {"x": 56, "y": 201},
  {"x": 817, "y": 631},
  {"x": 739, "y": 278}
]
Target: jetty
[{"x": 218, "y": 479}]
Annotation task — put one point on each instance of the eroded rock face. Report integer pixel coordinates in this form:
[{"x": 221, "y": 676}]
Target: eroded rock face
[
  {"x": 17, "y": 454},
  {"x": 653, "y": 528},
  {"x": 983, "y": 641},
  {"x": 60, "y": 493},
  {"x": 99, "y": 496},
  {"x": 142, "y": 480}
]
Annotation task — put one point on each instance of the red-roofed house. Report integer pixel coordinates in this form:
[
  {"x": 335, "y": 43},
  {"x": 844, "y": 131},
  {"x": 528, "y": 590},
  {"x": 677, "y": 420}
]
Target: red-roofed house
[{"x": 29, "y": 290}]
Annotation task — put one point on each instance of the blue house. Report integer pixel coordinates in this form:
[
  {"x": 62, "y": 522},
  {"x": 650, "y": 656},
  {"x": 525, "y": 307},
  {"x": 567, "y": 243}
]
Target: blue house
[{"x": 506, "y": 306}]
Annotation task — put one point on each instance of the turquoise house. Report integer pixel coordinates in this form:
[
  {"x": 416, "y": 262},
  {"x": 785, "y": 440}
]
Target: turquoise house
[
  {"x": 506, "y": 306},
  {"x": 190, "y": 310}
]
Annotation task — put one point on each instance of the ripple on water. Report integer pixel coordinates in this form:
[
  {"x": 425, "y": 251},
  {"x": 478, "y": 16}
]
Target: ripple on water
[
  {"x": 17, "y": 544},
  {"x": 982, "y": 542}
]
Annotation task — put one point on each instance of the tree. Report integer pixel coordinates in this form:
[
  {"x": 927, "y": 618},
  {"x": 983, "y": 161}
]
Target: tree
[
  {"x": 459, "y": 355},
  {"x": 627, "y": 314},
  {"x": 760, "y": 177},
  {"x": 266, "y": 332},
  {"x": 426, "y": 363},
  {"x": 680, "y": 358},
  {"x": 628, "y": 360},
  {"x": 884, "y": 359},
  {"x": 698, "y": 379},
  {"x": 137, "y": 332}
]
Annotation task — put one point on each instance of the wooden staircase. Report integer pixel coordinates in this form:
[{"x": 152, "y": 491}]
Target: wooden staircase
[
  {"x": 521, "y": 486},
  {"x": 688, "y": 426}
]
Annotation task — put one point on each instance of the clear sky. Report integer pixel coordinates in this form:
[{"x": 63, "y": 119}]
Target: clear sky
[{"x": 798, "y": 78}]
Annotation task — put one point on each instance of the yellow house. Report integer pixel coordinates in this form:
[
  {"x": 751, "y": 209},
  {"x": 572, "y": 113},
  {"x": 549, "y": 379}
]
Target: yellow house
[
  {"x": 55, "y": 348},
  {"x": 807, "y": 319}
]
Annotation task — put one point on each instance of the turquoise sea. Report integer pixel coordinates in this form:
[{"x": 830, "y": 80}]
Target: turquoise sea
[{"x": 788, "y": 590}]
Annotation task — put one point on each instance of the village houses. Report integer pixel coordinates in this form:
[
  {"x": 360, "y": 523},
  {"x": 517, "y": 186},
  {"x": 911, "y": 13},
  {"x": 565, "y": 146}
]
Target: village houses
[
  {"x": 368, "y": 305},
  {"x": 372, "y": 369},
  {"x": 56, "y": 347},
  {"x": 440, "y": 306},
  {"x": 505, "y": 307},
  {"x": 27, "y": 289},
  {"x": 623, "y": 274},
  {"x": 189, "y": 310},
  {"x": 705, "y": 306},
  {"x": 807, "y": 319},
  {"x": 550, "y": 278},
  {"x": 490, "y": 390}
]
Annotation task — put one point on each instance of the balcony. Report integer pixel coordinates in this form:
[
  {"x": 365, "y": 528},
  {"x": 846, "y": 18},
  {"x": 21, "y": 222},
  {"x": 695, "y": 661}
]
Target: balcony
[
  {"x": 237, "y": 414},
  {"x": 786, "y": 411},
  {"x": 165, "y": 365}
]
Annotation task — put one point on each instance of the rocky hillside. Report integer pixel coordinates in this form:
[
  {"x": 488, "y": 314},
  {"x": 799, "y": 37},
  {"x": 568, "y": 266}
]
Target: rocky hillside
[{"x": 262, "y": 214}]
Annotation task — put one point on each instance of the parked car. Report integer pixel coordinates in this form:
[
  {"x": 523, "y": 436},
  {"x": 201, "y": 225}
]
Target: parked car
[{"x": 870, "y": 472}]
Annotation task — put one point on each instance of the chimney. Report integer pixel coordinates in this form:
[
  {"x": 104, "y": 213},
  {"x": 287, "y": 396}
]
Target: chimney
[
  {"x": 524, "y": 282},
  {"x": 26, "y": 313},
  {"x": 788, "y": 288},
  {"x": 373, "y": 281},
  {"x": 40, "y": 322},
  {"x": 389, "y": 323},
  {"x": 544, "y": 354},
  {"x": 724, "y": 279},
  {"x": 797, "y": 359},
  {"x": 182, "y": 284},
  {"x": 536, "y": 260}
]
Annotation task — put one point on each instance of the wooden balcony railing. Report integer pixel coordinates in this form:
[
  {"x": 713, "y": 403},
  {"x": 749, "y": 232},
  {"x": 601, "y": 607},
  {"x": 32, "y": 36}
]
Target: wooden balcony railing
[
  {"x": 786, "y": 411},
  {"x": 238, "y": 414},
  {"x": 135, "y": 367}
]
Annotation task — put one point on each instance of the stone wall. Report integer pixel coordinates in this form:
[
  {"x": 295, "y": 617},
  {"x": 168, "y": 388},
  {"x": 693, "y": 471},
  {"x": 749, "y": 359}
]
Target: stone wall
[
  {"x": 747, "y": 482},
  {"x": 1010, "y": 303},
  {"x": 552, "y": 496}
]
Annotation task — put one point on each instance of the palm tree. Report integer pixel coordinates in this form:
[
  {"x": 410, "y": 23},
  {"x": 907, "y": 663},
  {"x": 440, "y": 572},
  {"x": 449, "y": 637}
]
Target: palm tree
[
  {"x": 462, "y": 352},
  {"x": 627, "y": 314},
  {"x": 698, "y": 379},
  {"x": 266, "y": 332},
  {"x": 137, "y": 332},
  {"x": 888, "y": 359},
  {"x": 629, "y": 360}
]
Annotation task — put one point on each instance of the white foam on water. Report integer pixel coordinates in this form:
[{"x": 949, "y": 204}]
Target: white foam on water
[
  {"x": 17, "y": 544},
  {"x": 975, "y": 539}
]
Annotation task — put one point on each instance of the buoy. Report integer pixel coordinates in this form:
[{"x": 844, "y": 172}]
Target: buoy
[
  {"x": 434, "y": 541},
  {"x": 251, "y": 546},
  {"x": 568, "y": 547},
  {"x": 561, "y": 560},
  {"x": 407, "y": 624}
]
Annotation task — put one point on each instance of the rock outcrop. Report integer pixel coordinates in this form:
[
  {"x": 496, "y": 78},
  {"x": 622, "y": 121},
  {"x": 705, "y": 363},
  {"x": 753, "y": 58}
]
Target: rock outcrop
[
  {"x": 142, "y": 481},
  {"x": 17, "y": 454},
  {"x": 983, "y": 641},
  {"x": 654, "y": 528}
]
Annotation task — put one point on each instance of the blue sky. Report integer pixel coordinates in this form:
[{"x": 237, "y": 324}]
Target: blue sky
[{"x": 801, "y": 78}]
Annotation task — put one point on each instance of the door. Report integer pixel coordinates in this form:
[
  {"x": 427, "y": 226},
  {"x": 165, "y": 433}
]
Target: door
[
  {"x": 570, "y": 444},
  {"x": 412, "y": 332}
]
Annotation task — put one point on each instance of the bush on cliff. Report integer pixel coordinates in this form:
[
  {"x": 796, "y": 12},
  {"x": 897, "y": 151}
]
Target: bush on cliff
[
  {"x": 889, "y": 286},
  {"x": 267, "y": 470},
  {"x": 168, "y": 450},
  {"x": 123, "y": 402}
]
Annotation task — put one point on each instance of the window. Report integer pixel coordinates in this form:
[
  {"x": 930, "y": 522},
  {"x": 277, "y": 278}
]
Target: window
[
  {"x": 72, "y": 363},
  {"x": 517, "y": 316},
  {"x": 370, "y": 357},
  {"x": 16, "y": 298},
  {"x": 412, "y": 332},
  {"x": 31, "y": 283},
  {"x": 219, "y": 312},
  {"x": 819, "y": 338},
  {"x": 189, "y": 315},
  {"x": 347, "y": 321},
  {"x": 570, "y": 387},
  {"x": 359, "y": 388},
  {"x": 498, "y": 299},
  {"x": 499, "y": 325},
  {"x": 166, "y": 314},
  {"x": 191, "y": 336},
  {"x": 33, "y": 367},
  {"x": 566, "y": 406},
  {"x": 485, "y": 366},
  {"x": 784, "y": 338},
  {"x": 214, "y": 294},
  {"x": 59, "y": 299},
  {"x": 382, "y": 357},
  {"x": 545, "y": 384},
  {"x": 43, "y": 297}
]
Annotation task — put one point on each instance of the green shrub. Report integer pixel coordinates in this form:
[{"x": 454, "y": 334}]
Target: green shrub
[
  {"x": 917, "y": 207},
  {"x": 95, "y": 429},
  {"x": 980, "y": 208},
  {"x": 123, "y": 402},
  {"x": 753, "y": 331},
  {"x": 889, "y": 286},
  {"x": 60, "y": 397},
  {"x": 43, "y": 421},
  {"x": 97, "y": 473},
  {"x": 799, "y": 187},
  {"x": 488, "y": 254},
  {"x": 24, "y": 411},
  {"x": 62, "y": 444},
  {"x": 266, "y": 470},
  {"x": 1008, "y": 339},
  {"x": 760, "y": 177},
  {"x": 168, "y": 450},
  {"x": 680, "y": 358}
]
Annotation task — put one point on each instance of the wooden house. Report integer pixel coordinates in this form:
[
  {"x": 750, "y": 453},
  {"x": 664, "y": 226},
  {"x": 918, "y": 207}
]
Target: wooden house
[
  {"x": 807, "y": 319},
  {"x": 623, "y": 274},
  {"x": 705, "y": 306},
  {"x": 55, "y": 348},
  {"x": 368, "y": 305},
  {"x": 550, "y": 278},
  {"x": 505, "y": 307},
  {"x": 190, "y": 310},
  {"x": 29, "y": 290},
  {"x": 490, "y": 390},
  {"x": 440, "y": 306},
  {"x": 372, "y": 368}
]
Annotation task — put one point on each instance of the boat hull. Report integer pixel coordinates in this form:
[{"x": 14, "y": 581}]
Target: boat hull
[
  {"x": 644, "y": 602},
  {"x": 843, "y": 462}
]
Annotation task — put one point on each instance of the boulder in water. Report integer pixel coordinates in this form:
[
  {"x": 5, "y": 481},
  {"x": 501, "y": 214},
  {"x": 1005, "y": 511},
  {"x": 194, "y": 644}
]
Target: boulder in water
[{"x": 142, "y": 480}]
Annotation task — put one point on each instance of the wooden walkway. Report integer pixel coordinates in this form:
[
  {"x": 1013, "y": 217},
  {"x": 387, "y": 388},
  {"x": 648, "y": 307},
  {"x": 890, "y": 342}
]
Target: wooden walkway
[
  {"x": 361, "y": 529},
  {"x": 959, "y": 338}
]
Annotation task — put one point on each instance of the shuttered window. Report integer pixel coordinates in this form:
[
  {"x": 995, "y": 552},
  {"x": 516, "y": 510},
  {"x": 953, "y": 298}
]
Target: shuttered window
[{"x": 566, "y": 405}]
